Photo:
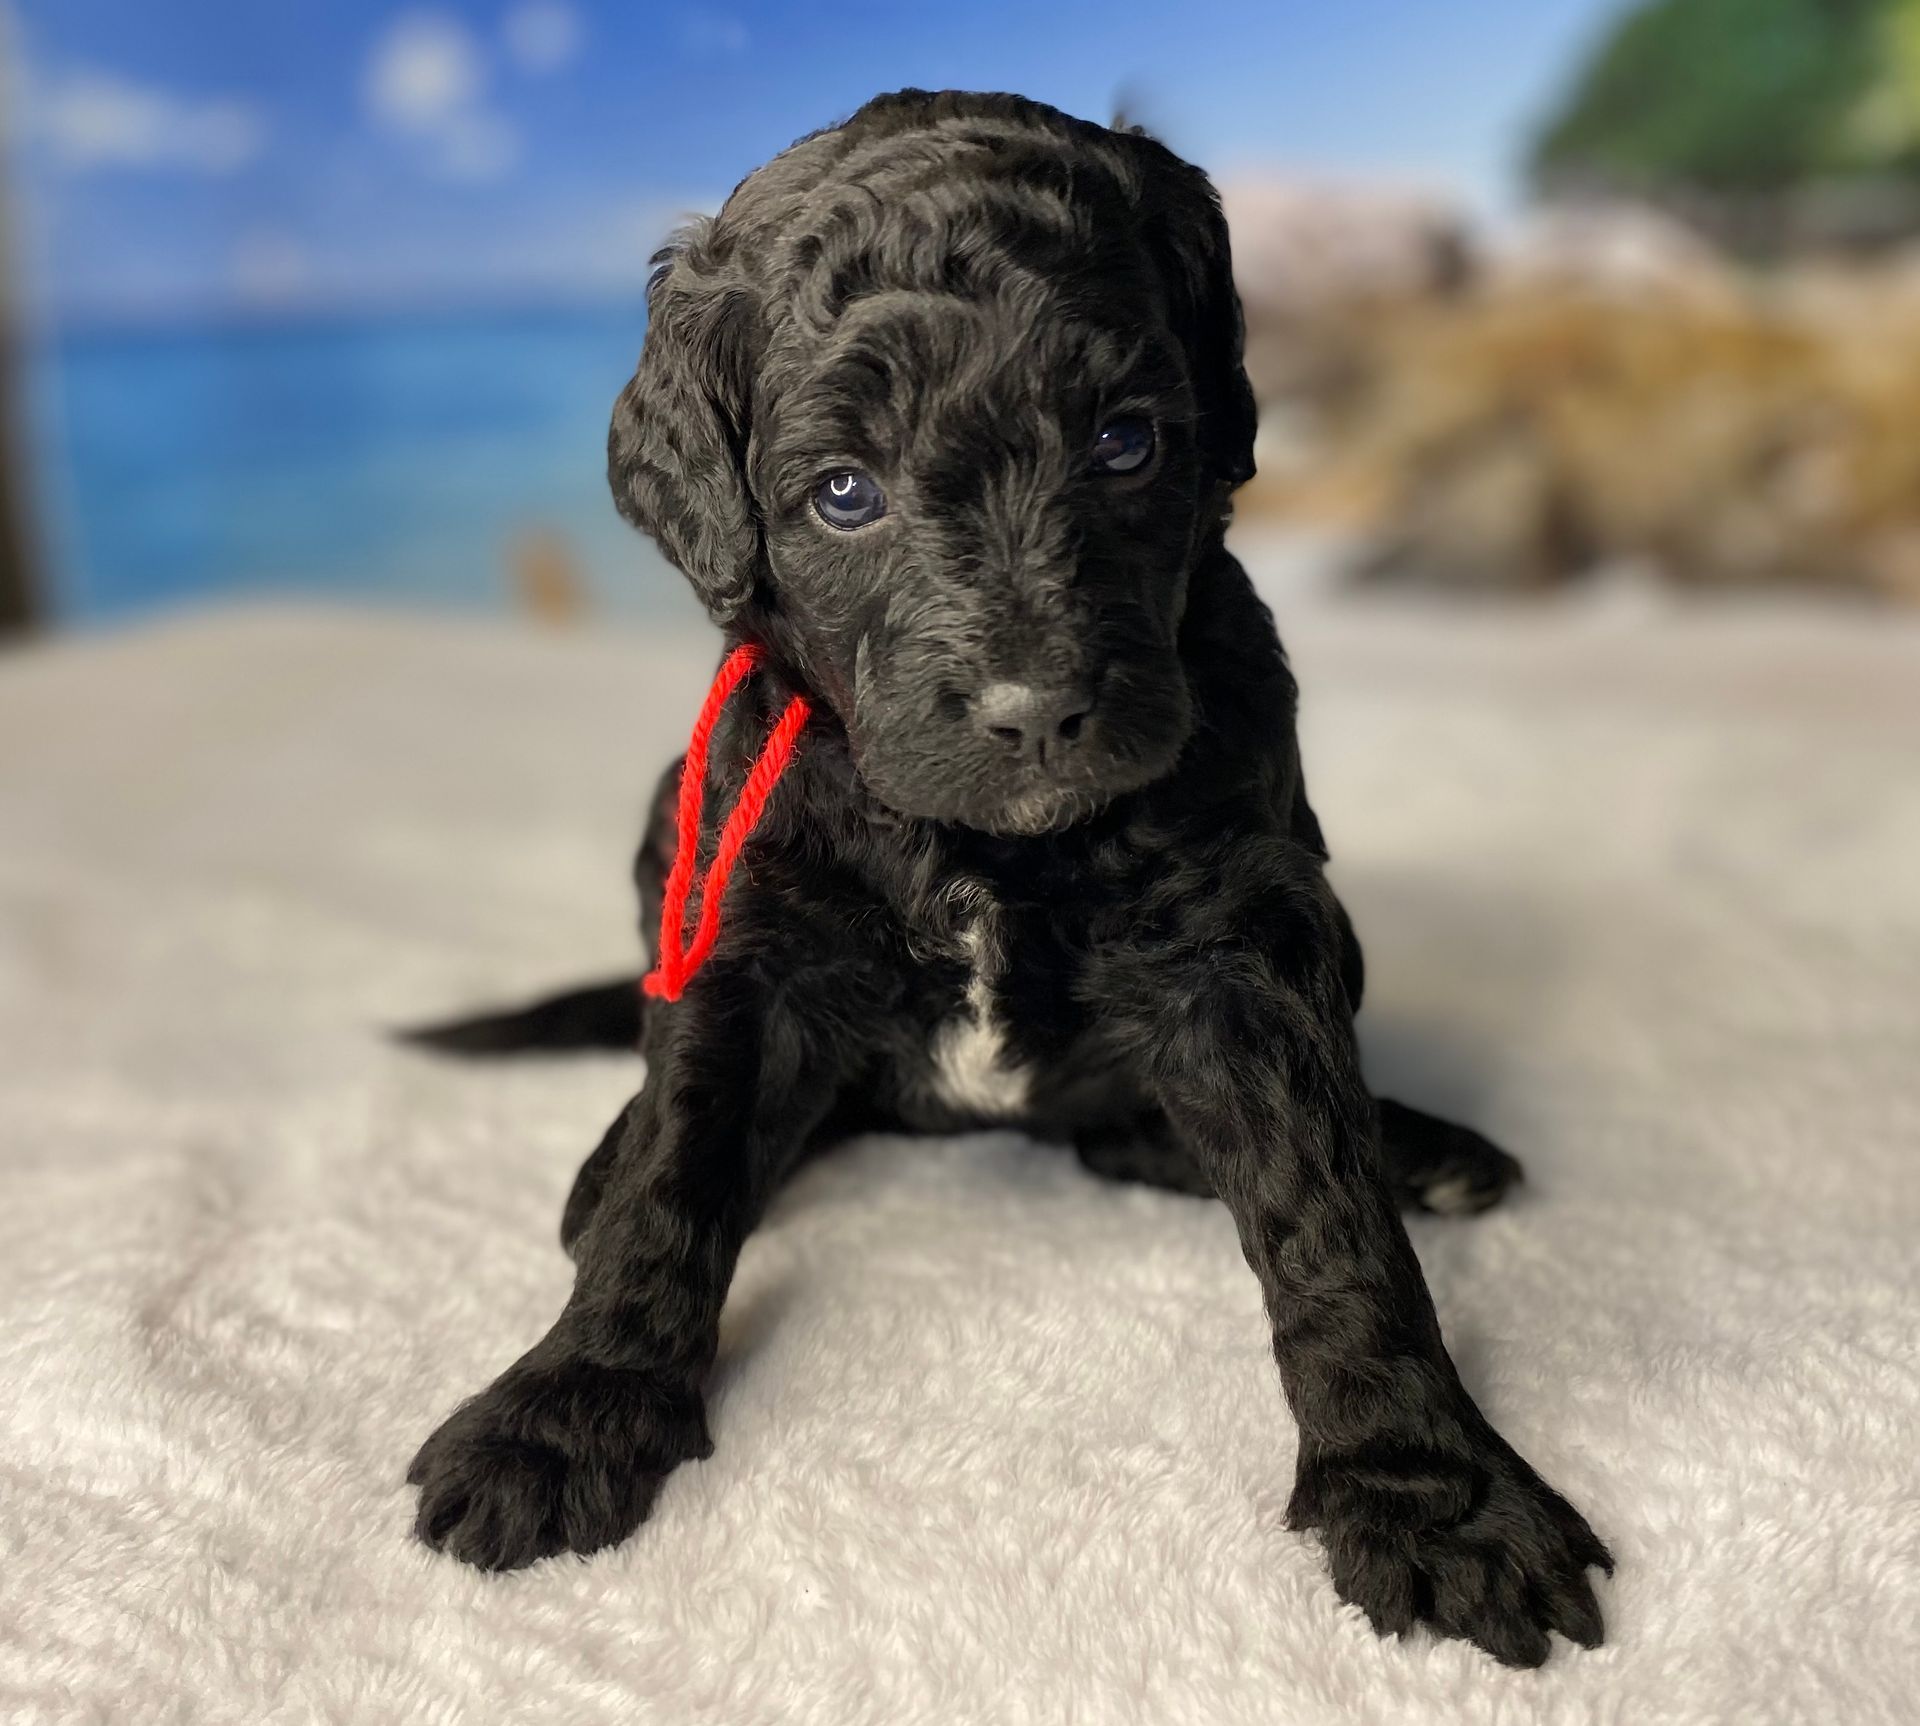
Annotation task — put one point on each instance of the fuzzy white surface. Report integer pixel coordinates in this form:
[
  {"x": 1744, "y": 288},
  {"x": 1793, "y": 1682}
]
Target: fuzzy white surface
[{"x": 996, "y": 1442}]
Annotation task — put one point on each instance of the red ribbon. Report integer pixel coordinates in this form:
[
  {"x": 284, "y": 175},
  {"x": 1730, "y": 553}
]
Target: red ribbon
[{"x": 679, "y": 958}]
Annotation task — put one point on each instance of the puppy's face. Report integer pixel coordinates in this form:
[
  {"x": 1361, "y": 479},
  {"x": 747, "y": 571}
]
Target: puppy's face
[
  {"x": 978, "y": 518},
  {"x": 970, "y": 451}
]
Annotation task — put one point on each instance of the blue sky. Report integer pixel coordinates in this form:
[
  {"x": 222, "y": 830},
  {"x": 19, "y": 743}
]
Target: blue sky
[{"x": 202, "y": 156}]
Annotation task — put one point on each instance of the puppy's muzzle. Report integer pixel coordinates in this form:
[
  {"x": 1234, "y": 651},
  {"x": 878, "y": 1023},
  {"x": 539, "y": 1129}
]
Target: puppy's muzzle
[{"x": 1032, "y": 722}]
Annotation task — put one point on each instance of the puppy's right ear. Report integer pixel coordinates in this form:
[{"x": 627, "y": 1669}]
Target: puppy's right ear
[{"x": 676, "y": 452}]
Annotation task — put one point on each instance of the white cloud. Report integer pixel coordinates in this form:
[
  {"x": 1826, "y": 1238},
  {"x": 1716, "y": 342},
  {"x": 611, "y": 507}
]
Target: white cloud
[
  {"x": 427, "y": 78},
  {"x": 542, "y": 35},
  {"x": 424, "y": 71},
  {"x": 95, "y": 120}
]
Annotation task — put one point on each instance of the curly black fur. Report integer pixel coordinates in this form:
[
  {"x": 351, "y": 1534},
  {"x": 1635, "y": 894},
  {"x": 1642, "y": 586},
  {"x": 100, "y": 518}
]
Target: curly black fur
[{"x": 953, "y": 292}]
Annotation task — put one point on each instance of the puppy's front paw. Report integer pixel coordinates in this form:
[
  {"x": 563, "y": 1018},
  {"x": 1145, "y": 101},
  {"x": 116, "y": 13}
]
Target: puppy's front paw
[
  {"x": 551, "y": 1458},
  {"x": 1480, "y": 1548}
]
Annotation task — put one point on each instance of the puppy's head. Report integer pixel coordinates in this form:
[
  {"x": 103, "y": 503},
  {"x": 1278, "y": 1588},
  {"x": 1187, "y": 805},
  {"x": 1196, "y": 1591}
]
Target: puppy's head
[{"x": 942, "y": 406}]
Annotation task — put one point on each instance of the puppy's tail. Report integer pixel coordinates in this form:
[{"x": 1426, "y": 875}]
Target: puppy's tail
[{"x": 599, "y": 1016}]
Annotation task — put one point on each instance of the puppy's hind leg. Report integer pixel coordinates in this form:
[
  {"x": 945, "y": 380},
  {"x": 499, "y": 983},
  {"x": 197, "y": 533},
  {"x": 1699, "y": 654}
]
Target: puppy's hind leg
[
  {"x": 1439, "y": 1166},
  {"x": 1431, "y": 1164},
  {"x": 1146, "y": 1152}
]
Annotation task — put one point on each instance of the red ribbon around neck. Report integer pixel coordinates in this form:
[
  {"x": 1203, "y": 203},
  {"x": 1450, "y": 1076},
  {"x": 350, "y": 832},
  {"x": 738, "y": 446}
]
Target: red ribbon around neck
[{"x": 679, "y": 958}]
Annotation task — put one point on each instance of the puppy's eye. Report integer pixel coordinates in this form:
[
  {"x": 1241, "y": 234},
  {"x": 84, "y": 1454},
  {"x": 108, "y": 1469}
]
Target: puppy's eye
[
  {"x": 1123, "y": 446},
  {"x": 849, "y": 500}
]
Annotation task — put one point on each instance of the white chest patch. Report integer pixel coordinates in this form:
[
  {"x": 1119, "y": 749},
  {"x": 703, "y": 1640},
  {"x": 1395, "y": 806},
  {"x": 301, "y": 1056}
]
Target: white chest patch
[{"x": 971, "y": 1070}]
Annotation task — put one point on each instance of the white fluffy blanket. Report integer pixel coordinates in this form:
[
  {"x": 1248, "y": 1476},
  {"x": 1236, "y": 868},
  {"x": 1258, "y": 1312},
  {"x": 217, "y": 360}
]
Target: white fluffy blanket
[{"x": 996, "y": 1442}]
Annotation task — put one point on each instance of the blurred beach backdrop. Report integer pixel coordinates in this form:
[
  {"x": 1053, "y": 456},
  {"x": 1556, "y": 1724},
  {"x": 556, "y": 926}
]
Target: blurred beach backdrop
[
  {"x": 334, "y": 301},
  {"x": 417, "y": 458}
]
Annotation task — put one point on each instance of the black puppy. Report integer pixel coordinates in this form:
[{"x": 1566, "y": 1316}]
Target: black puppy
[{"x": 943, "y": 412}]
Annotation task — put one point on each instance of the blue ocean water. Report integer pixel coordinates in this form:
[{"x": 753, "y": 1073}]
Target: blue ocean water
[{"x": 398, "y": 459}]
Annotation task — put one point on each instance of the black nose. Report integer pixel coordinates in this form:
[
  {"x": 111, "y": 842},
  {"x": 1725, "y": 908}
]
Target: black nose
[{"x": 1030, "y": 721}]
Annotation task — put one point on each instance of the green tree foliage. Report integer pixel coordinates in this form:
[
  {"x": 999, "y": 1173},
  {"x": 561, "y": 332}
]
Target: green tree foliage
[{"x": 1743, "y": 96}]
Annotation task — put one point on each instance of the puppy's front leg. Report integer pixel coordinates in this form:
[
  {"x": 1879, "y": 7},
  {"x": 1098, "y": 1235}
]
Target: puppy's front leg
[
  {"x": 567, "y": 1448},
  {"x": 1425, "y": 1511}
]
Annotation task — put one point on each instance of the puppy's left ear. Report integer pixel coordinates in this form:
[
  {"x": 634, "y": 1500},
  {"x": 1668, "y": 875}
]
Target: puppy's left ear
[
  {"x": 1187, "y": 234},
  {"x": 676, "y": 451}
]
